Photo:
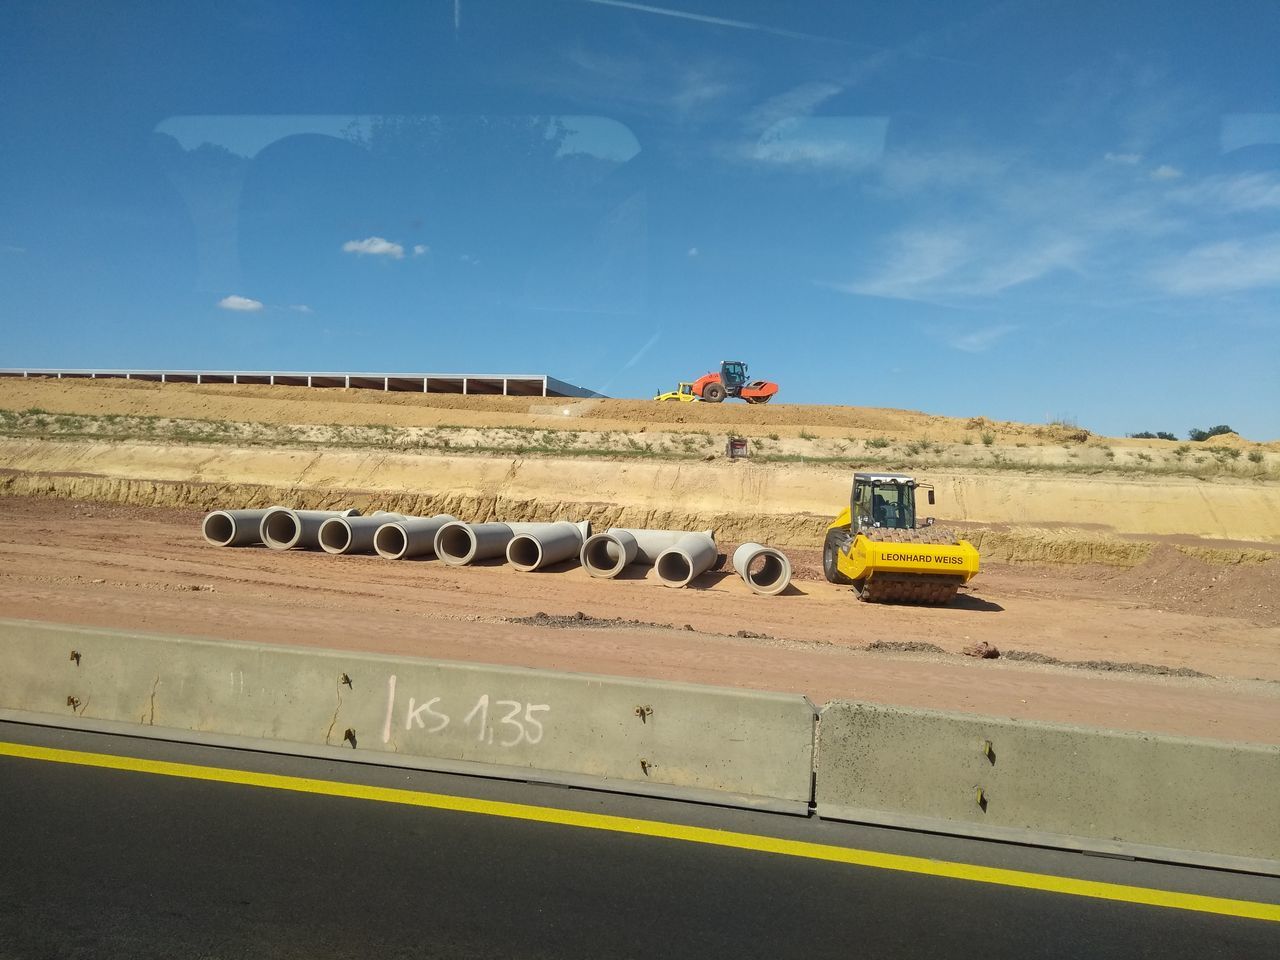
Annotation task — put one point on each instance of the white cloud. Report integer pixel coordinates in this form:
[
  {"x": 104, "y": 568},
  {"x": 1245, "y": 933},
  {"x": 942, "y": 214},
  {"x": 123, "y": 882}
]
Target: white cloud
[
  {"x": 1128, "y": 159},
  {"x": 692, "y": 252},
  {"x": 1165, "y": 172},
  {"x": 243, "y": 304},
  {"x": 956, "y": 263},
  {"x": 799, "y": 101},
  {"x": 300, "y": 308},
  {"x": 1233, "y": 193},
  {"x": 420, "y": 248},
  {"x": 468, "y": 258},
  {"x": 977, "y": 341},
  {"x": 375, "y": 247},
  {"x": 844, "y": 142},
  {"x": 1228, "y": 266}
]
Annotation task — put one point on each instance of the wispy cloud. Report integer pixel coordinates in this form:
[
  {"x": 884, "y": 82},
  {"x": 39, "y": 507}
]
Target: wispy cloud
[
  {"x": 10, "y": 248},
  {"x": 956, "y": 263},
  {"x": 1229, "y": 266},
  {"x": 691, "y": 252},
  {"x": 799, "y": 101},
  {"x": 1166, "y": 172},
  {"x": 845, "y": 143},
  {"x": 374, "y": 247},
  {"x": 300, "y": 308},
  {"x": 713, "y": 21},
  {"x": 978, "y": 341},
  {"x": 242, "y": 304},
  {"x": 1128, "y": 159},
  {"x": 420, "y": 249},
  {"x": 1235, "y": 193}
]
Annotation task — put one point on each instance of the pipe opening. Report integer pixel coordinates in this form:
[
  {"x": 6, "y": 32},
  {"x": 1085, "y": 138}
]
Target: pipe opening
[
  {"x": 765, "y": 570},
  {"x": 389, "y": 541},
  {"x": 335, "y": 536},
  {"x": 456, "y": 542},
  {"x": 280, "y": 529},
  {"x": 524, "y": 551},
  {"x": 604, "y": 555},
  {"x": 674, "y": 568},
  {"x": 219, "y": 528}
]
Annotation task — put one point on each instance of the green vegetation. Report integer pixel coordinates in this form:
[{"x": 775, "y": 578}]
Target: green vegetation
[
  {"x": 1255, "y": 456},
  {"x": 878, "y": 443},
  {"x": 1201, "y": 435},
  {"x": 988, "y": 438},
  {"x": 1148, "y": 435}
]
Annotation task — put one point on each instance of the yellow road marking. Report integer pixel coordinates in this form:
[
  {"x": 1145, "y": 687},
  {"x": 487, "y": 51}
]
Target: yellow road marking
[{"x": 668, "y": 831}]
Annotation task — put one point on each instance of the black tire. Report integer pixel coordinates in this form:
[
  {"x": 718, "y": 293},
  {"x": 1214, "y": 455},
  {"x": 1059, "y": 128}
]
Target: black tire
[
  {"x": 713, "y": 393},
  {"x": 830, "y": 567}
]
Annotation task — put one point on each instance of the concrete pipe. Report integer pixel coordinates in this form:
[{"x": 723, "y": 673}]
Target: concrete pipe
[
  {"x": 692, "y": 555},
  {"x": 410, "y": 537},
  {"x": 535, "y": 550},
  {"x": 766, "y": 571},
  {"x": 234, "y": 528},
  {"x": 353, "y": 534},
  {"x": 283, "y": 529},
  {"x": 459, "y": 544},
  {"x": 607, "y": 554}
]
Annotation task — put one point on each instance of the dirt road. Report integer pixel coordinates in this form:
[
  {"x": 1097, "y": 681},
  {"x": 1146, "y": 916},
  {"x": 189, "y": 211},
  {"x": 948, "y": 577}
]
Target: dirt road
[{"x": 148, "y": 569}]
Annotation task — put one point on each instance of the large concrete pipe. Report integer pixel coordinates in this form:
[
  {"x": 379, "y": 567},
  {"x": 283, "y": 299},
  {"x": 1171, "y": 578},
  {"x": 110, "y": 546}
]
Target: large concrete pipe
[
  {"x": 410, "y": 537},
  {"x": 459, "y": 544},
  {"x": 536, "y": 549},
  {"x": 607, "y": 554},
  {"x": 692, "y": 555},
  {"x": 234, "y": 528},
  {"x": 354, "y": 534},
  {"x": 766, "y": 571},
  {"x": 283, "y": 529}
]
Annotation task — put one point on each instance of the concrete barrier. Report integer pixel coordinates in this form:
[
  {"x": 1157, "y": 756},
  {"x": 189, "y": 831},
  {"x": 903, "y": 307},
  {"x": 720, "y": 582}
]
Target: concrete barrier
[
  {"x": 1134, "y": 794},
  {"x": 723, "y": 745}
]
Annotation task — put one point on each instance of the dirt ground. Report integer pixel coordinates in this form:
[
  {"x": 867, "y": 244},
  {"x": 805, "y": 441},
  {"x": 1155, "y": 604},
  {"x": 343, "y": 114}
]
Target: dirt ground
[{"x": 148, "y": 569}]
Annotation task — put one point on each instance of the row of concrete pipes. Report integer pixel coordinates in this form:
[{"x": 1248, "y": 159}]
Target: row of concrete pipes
[{"x": 677, "y": 556}]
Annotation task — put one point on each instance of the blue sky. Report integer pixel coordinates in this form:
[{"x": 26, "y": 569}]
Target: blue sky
[{"x": 1020, "y": 210}]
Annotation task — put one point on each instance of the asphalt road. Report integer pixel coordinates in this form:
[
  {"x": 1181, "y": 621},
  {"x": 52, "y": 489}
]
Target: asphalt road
[{"x": 101, "y": 862}]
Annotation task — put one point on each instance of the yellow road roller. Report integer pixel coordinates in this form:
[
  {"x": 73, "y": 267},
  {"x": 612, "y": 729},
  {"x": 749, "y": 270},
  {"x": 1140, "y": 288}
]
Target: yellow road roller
[{"x": 876, "y": 545}]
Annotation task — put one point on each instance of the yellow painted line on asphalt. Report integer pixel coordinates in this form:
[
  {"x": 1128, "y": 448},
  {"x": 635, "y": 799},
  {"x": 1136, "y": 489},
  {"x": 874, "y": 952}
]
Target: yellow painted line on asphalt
[{"x": 668, "y": 831}]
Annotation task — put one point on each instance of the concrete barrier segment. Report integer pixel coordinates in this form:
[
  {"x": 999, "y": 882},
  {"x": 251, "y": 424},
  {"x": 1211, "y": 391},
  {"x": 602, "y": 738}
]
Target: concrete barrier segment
[
  {"x": 733, "y": 746},
  {"x": 691, "y": 556},
  {"x": 766, "y": 570},
  {"x": 415, "y": 537},
  {"x": 340, "y": 535},
  {"x": 288, "y": 529},
  {"x": 1105, "y": 791},
  {"x": 234, "y": 528},
  {"x": 537, "y": 549}
]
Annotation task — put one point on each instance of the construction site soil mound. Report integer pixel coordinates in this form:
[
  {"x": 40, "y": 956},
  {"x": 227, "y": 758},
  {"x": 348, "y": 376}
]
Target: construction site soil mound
[{"x": 305, "y": 405}]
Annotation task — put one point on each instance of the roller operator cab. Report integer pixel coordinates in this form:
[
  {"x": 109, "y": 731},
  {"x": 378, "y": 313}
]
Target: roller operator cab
[{"x": 876, "y": 545}]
